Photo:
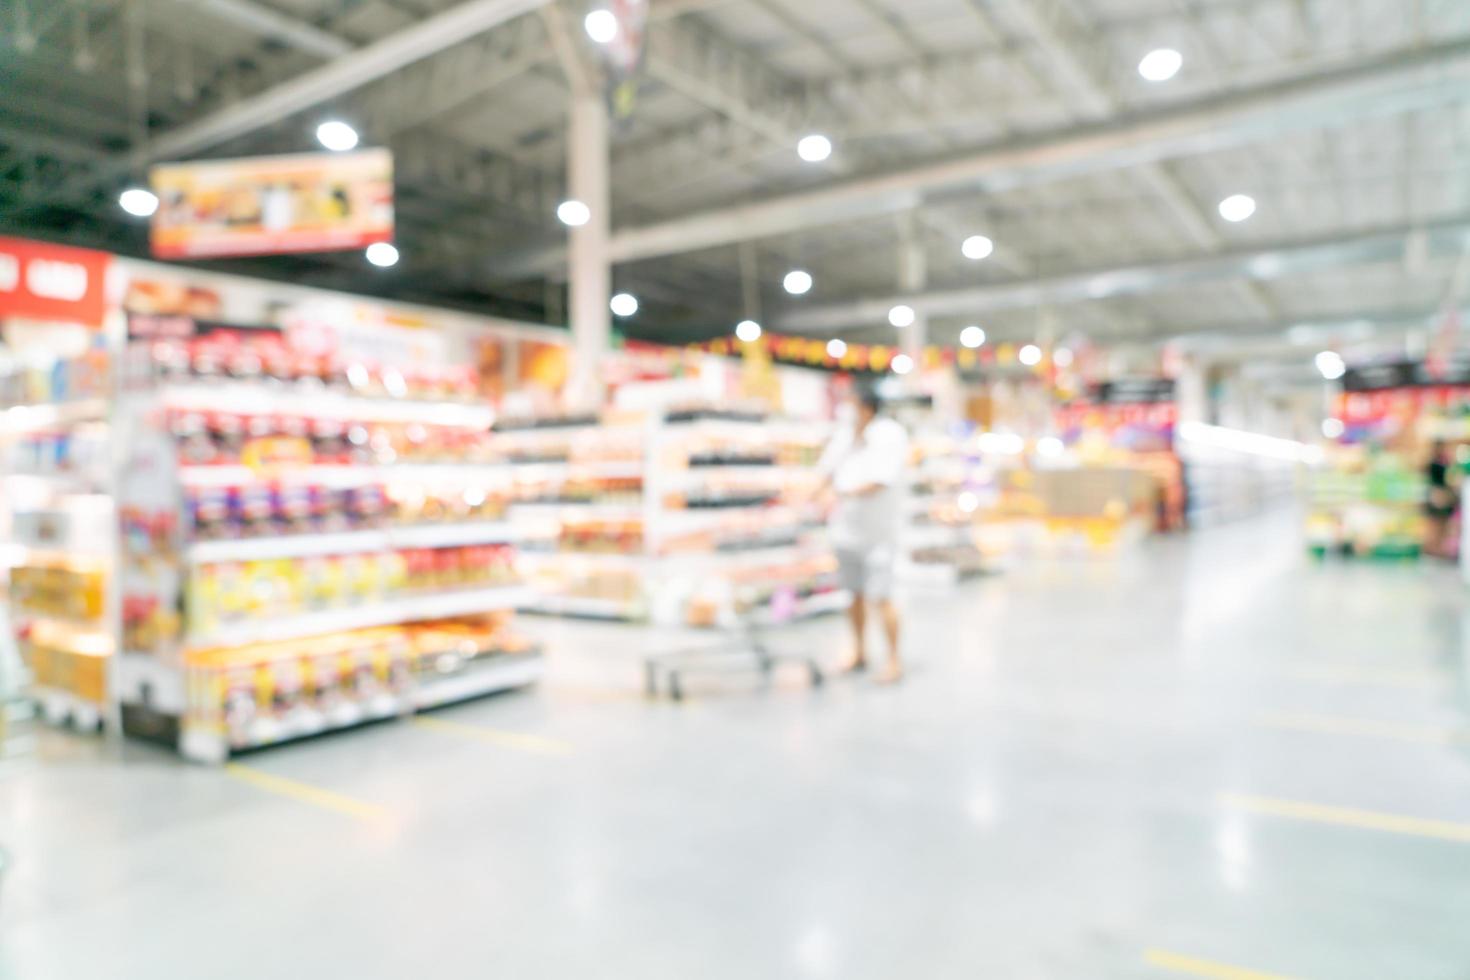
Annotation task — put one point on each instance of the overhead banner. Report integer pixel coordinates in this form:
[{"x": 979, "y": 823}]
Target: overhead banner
[
  {"x": 40, "y": 281},
  {"x": 308, "y": 202}
]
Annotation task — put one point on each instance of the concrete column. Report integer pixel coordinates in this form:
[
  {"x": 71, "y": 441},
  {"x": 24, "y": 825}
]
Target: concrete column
[
  {"x": 589, "y": 273},
  {"x": 913, "y": 277}
]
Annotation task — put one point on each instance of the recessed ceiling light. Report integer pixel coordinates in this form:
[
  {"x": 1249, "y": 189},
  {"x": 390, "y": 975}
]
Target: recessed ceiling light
[
  {"x": 1331, "y": 364},
  {"x": 1237, "y": 207},
  {"x": 748, "y": 330},
  {"x": 836, "y": 348},
  {"x": 336, "y": 135},
  {"x": 1332, "y": 428},
  {"x": 901, "y": 316},
  {"x": 1160, "y": 64},
  {"x": 797, "y": 282},
  {"x": 976, "y": 247},
  {"x": 1030, "y": 355},
  {"x": 601, "y": 25},
  {"x": 382, "y": 254},
  {"x": 138, "y": 202},
  {"x": 972, "y": 336},
  {"x": 573, "y": 213},
  {"x": 814, "y": 148},
  {"x": 623, "y": 304},
  {"x": 902, "y": 364}
]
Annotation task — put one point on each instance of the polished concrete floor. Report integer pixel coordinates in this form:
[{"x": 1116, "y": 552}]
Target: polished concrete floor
[{"x": 1210, "y": 758}]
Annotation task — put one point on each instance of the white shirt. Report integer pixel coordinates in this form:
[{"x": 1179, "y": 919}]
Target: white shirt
[{"x": 878, "y": 456}]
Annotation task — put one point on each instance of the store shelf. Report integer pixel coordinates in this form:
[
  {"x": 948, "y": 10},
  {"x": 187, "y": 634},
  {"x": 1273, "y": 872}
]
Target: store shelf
[
  {"x": 248, "y": 398},
  {"x": 502, "y": 673},
  {"x": 346, "y": 475},
  {"x": 407, "y": 609},
  {"x": 350, "y": 542},
  {"x": 585, "y": 606},
  {"x": 611, "y": 468},
  {"x": 630, "y": 511},
  {"x": 22, "y": 419}
]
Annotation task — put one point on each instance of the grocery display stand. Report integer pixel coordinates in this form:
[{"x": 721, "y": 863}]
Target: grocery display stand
[
  {"x": 663, "y": 515},
  {"x": 303, "y": 554}
]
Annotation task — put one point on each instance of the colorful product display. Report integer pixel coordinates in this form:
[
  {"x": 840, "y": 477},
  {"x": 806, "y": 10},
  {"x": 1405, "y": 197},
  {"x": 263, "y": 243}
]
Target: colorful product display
[
  {"x": 229, "y": 592},
  {"x": 67, "y": 589},
  {"x": 254, "y": 695}
]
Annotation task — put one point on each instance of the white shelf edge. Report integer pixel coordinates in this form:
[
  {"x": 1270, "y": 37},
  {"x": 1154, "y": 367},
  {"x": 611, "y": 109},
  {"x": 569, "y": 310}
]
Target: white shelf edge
[
  {"x": 242, "y": 396},
  {"x": 406, "y": 609},
  {"x": 351, "y": 542},
  {"x": 518, "y": 670},
  {"x": 20, "y": 419},
  {"x": 345, "y": 475}
]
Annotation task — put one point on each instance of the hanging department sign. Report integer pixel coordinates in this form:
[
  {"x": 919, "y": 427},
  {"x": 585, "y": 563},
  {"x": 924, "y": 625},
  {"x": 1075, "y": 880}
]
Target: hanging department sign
[
  {"x": 52, "y": 282},
  {"x": 623, "y": 55},
  {"x": 305, "y": 202}
]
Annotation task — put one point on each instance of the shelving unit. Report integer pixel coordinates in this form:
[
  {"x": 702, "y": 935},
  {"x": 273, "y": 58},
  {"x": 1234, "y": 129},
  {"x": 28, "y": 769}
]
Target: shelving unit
[{"x": 298, "y": 558}]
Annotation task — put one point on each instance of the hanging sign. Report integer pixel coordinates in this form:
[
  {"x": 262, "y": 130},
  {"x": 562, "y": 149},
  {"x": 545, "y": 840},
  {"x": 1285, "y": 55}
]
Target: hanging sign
[
  {"x": 52, "y": 282},
  {"x": 307, "y": 202}
]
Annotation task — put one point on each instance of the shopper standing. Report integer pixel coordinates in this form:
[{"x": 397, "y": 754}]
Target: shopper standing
[
  {"x": 864, "y": 467},
  {"x": 1440, "y": 503}
]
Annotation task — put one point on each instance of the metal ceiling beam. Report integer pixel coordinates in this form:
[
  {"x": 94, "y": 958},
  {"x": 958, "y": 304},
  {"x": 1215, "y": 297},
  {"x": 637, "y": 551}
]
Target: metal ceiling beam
[
  {"x": 1050, "y": 26},
  {"x": 1401, "y": 81},
  {"x": 1265, "y": 262},
  {"x": 343, "y": 75},
  {"x": 270, "y": 23}
]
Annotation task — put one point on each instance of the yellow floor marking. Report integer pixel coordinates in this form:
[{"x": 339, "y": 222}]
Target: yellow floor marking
[
  {"x": 1348, "y": 817},
  {"x": 306, "y": 793},
  {"x": 495, "y": 736},
  {"x": 1329, "y": 725},
  {"x": 1165, "y": 960},
  {"x": 1344, "y": 674}
]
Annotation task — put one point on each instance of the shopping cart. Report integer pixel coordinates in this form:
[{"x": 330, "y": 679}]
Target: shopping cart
[{"x": 744, "y": 650}]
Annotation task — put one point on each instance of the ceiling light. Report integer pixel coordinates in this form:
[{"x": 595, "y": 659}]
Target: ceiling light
[
  {"x": 1331, "y": 364},
  {"x": 382, "y": 254},
  {"x": 836, "y": 348},
  {"x": 968, "y": 502},
  {"x": 797, "y": 282},
  {"x": 623, "y": 304},
  {"x": 573, "y": 213},
  {"x": 814, "y": 148},
  {"x": 976, "y": 247},
  {"x": 601, "y": 25},
  {"x": 972, "y": 336},
  {"x": 1332, "y": 428},
  {"x": 1161, "y": 64},
  {"x": 336, "y": 135},
  {"x": 1030, "y": 355},
  {"x": 1062, "y": 357},
  {"x": 138, "y": 202},
  {"x": 902, "y": 364},
  {"x": 1237, "y": 207},
  {"x": 901, "y": 316},
  {"x": 1050, "y": 446},
  {"x": 748, "y": 330}
]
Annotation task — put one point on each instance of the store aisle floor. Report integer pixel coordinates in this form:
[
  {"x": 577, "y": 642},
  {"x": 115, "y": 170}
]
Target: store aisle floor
[{"x": 1212, "y": 754}]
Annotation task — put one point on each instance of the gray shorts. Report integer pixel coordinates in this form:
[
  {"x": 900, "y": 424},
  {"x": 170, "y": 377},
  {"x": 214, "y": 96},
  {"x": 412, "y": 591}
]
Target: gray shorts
[{"x": 868, "y": 573}]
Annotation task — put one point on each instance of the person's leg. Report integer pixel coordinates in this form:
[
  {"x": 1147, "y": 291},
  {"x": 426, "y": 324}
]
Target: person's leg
[
  {"x": 857, "y": 616},
  {"x": 880, "y": 571}
]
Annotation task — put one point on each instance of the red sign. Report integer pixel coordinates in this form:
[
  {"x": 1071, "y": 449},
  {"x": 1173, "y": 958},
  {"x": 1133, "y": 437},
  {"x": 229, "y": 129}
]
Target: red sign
[{"x": 52, "y": 282}]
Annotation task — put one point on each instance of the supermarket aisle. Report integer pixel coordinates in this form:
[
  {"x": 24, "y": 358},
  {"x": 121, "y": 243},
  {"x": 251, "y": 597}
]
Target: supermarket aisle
[{"x": 1212, "y": 753}]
